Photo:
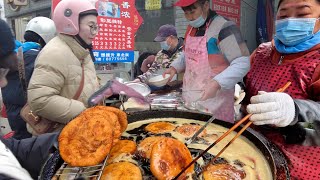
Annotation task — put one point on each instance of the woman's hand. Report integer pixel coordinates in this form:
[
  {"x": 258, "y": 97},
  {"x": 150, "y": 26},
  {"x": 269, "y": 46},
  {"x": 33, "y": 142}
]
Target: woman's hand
[
  {"x": 211, "y": 90},
  {"x": 136, "y": 80},
  {"x": 171, "y": 71}
]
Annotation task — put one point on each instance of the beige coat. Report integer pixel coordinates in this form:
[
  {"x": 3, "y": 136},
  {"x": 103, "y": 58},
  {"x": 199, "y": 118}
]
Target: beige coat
[{"x": 56, "y": 79}]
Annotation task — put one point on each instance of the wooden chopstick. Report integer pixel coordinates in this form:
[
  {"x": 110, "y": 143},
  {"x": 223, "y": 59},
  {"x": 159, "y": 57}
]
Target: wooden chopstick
[
  {"x": 225, "y": 134},
  {"x": 224, "y": 148},
  {"x": 240, "y": 132}
]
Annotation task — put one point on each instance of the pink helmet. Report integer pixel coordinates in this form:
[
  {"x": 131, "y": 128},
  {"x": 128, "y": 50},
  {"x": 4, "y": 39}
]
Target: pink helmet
[{"x": 67, "y": 12}]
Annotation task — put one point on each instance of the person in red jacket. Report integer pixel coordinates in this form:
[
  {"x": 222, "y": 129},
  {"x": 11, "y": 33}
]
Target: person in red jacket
[{"x": 291, "y": 118}]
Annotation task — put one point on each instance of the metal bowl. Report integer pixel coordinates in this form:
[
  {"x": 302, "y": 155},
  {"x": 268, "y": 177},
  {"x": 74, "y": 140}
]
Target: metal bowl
[{"x": 141, "y": 88}]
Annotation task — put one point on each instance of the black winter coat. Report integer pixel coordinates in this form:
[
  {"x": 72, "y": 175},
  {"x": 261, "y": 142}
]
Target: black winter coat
[
  {"x": 14, "y": 97},
  {"x": 32, "y": 153}
]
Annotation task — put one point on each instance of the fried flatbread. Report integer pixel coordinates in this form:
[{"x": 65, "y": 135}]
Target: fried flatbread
[
  {"x": 168, "y": 157},
  {"x": 145, "y": 146},
  {"x": 222, "y": 172},
  {"x": 86, "y": 140},
  {"x": 122, "y": 147},
  {"x": 189, "y": 130},
  {"x": 160, "y": 127},
  {"x": 110, "y": 116},
  {"x": 122, "y": 116},
  {"x": 121, "y": 171}
]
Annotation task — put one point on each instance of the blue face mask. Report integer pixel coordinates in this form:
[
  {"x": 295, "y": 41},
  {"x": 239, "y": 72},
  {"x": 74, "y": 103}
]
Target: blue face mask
[
  {"x": 164, "y": 45},
  {"x": 198, "y": 22},
  {"x": 292, "y": 31}
]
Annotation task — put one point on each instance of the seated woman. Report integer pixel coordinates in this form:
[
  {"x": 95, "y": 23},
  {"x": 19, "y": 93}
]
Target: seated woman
[{"x": 293, "y": 117}]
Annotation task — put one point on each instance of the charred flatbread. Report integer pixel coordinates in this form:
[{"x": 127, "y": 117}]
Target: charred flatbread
[
  {"x": 145, "y": 146},
  {"x": 189, "y": 130},
  {"x": 168, "y": 157},
  {"x": 108, "y": 115},
  {"x": 160, "y": 127},
  {"x": 222, "y": 172},
  {"x": 122, "y": 116},
  {"x": 86, "y": 140},
  {"x": 122, "y": 147},
  {"x": 121, "y": 171}
]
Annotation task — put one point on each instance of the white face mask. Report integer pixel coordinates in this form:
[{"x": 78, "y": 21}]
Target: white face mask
[
  {"x": 197, "y": 22},
  {"x": 164, "y": 45}
]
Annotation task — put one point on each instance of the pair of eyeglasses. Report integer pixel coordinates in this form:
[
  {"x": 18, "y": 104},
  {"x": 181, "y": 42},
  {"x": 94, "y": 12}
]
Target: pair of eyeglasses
[{"x": 94, "y": 28}]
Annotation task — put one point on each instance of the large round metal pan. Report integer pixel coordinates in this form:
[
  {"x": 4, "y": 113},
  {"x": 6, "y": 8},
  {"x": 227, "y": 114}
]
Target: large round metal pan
[{"x": 275, "y": 158}]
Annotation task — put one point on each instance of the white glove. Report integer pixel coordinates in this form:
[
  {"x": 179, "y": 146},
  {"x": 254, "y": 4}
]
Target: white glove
[
  {"x": 239, "y": 94},
  {"x": 272, "y": 108}
]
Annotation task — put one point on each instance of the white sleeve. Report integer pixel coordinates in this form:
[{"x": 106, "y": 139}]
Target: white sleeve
[
  {"x": 10, "y": 166},
  {"x": 233, "y": 74}
]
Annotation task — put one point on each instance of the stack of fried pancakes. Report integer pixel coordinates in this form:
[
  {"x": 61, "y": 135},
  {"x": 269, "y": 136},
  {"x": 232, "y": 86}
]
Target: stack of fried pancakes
[{"x": 87, "y": 139}]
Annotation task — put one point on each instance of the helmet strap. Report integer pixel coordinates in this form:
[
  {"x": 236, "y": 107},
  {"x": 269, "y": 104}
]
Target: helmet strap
[{"x": 85, "y": 45}]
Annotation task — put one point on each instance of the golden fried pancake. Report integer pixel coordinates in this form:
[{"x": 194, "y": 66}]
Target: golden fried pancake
[
  {"x": 122, "y": 147},
  {"x": 108, "y": 115},
  {"x": 121, "y": 171},
  {"x": 223, "y": 172},
  {"x": 86, "y": 140},
  {"x": 168, "y": 157},
  {"x": 122, "y": 116},
  {"x": 145, "y": 146},
  {"x": 189, "y": 130},
  {"x": 160, "y": 127}
]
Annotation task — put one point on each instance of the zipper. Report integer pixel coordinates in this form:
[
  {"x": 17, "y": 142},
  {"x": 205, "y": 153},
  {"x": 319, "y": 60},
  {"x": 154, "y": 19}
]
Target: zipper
[{"x": 280, "y": 60}]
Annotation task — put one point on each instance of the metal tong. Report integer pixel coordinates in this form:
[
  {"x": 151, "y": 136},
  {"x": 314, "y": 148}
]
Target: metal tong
[
  {"x": 200, "y": 130},
  {"x": 113, "y": 87}
]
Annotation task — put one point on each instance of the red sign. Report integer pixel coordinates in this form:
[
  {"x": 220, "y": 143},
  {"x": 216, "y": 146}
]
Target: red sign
[
  {"x": 228, "y": 8},
  {"x": 118, "y": 20}
]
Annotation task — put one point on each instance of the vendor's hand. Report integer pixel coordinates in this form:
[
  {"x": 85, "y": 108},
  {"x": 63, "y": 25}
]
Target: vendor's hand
[
  {"x": 171, "y": 71},
  {"x": 211, "y": 90},
  {"x": 273, "y": 108},
  {"x": 136, "y": 80}
]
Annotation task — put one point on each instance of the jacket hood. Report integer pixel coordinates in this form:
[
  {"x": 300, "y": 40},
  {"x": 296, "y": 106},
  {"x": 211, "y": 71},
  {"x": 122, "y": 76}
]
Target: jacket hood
[{"x": 26, "y": 46}]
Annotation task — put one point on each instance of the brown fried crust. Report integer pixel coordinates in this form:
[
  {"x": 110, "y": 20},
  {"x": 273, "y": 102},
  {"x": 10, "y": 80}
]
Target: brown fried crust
[
  {"x": 121, "y": 147},
  {"x": 86, "y": 140},
  {"x": 110, "y": 116},
  {"x": 121, "y": 171},
  {"x": 145, "y": 146},
  {"x": 168, "y": 157},
  {"x": 222, "y": 172},
  {"x": 188, "y": 130},
  {"x": 122, "y": 116},
  {"x": 160, "y": 127}
]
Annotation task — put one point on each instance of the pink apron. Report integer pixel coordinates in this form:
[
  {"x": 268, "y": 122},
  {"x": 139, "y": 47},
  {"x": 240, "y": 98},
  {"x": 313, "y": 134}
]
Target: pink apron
[{"x": 197, "y": 75}]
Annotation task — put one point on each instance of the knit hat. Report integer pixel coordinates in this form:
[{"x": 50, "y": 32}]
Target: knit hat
[{"x": 6, "y": 40}]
